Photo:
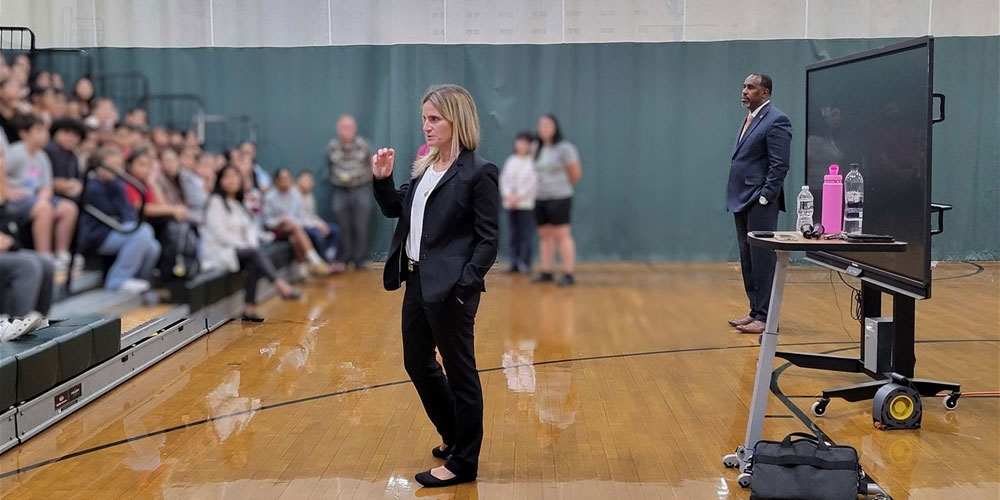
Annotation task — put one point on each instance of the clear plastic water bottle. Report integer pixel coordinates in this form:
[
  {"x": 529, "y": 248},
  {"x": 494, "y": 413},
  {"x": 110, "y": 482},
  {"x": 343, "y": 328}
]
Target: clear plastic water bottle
[
  {"x": 854, "y": 198},
  {"x": 804, "y": 212}
]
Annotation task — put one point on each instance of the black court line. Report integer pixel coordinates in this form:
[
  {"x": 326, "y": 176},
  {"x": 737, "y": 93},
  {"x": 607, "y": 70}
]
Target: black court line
[
  {"x": 201, "y": 422},
  {"x": 978, "y": 270}
]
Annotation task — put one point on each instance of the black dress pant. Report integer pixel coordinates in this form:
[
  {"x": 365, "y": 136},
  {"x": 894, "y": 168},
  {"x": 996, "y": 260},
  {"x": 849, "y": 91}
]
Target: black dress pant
[
  {"x": 454, "y": 402},
  {"x": 757, "y": 263},
  {"x": 257, "y": 266}
]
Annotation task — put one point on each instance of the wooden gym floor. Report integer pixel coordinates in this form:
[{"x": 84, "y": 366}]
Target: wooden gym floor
[{"x": 629, "y": 385}]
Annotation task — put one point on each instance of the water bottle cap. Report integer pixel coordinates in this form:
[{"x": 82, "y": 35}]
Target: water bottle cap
[
  {"x": 834, "y": 175},
  {"x": 805, "y": 188}
]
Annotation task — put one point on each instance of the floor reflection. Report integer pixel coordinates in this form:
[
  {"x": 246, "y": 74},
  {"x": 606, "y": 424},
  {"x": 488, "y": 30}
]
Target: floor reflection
[{"x": 622, "y": 387}]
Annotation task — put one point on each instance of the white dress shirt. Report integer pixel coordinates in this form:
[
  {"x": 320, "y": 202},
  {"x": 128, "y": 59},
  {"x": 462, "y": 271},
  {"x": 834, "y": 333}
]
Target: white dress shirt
[
  {"x": 754, "y": 112},
  {"x": 423, "y": 191}
]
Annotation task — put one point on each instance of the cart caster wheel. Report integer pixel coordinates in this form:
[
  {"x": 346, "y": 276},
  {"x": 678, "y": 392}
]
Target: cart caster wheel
[
  {"x": 731, "y": 461},
  {"x": 819, "y": 407},
  {"x": 876, "y": 492},
  {"x": 951, "y": 401},
  {"x": 743, "y": 480}
]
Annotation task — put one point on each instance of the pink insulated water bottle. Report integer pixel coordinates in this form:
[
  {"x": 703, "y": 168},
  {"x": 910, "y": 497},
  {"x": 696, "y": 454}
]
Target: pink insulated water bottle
[{"x": 833, "y": 201}]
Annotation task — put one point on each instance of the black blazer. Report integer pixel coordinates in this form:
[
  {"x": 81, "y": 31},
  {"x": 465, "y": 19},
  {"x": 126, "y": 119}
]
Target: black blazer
[{"x": 459, "y": 244}]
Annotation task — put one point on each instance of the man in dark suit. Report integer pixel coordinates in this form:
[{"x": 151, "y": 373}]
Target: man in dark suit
[{"x": 755, "y": 192}]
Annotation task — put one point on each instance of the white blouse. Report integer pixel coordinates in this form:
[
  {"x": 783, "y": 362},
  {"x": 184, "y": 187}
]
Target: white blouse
[
  {"x": 423, "y": 191},
  {"x": 228, "y": 227}
]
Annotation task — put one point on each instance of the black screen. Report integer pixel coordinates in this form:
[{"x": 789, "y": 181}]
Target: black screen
[{"x": 874, "y": 110}]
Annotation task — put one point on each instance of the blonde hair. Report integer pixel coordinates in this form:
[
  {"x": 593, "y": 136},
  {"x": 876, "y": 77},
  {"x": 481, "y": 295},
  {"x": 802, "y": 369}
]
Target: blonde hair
[{"x": 455, "y": 105}]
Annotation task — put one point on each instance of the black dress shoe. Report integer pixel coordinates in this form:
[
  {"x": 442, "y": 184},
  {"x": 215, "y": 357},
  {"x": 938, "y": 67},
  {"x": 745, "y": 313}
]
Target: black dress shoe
[
  {"x": 428, "y": 480},
  {"x": 442, "y": 454},
  {"x": 543, "y": 278},
  {"x": 253, "y": 318}
]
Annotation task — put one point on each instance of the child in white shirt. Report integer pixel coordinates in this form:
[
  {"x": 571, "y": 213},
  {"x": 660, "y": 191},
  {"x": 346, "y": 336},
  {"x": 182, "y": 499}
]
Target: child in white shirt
[{"x": 518, "y": 185}]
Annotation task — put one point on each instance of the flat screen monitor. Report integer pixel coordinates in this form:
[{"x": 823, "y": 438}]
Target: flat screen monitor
[{"x": 874, "y": 109}]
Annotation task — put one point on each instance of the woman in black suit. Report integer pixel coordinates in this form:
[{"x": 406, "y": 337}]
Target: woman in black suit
[{"x": 444, "y": 243}]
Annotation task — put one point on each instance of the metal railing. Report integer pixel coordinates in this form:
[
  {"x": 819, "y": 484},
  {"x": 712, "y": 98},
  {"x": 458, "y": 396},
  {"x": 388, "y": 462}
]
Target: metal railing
[
  {"x": 175, "y": 111},
  {"x": 222, "y": 132},
  {"x": 127, "y": 88}
]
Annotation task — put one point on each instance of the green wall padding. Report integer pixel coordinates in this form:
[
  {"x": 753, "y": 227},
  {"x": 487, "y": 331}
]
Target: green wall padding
[{"x": 654, "y": 123}]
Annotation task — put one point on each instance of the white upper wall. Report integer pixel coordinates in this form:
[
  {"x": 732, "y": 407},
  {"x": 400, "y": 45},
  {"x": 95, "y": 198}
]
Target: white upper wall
[{"x": 286, "y": 23}]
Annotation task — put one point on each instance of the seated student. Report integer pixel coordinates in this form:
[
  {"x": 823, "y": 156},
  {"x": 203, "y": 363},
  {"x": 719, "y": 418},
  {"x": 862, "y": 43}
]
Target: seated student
[
  {"x": 283, "y": 216},
  {"x": 157, "y": 211},
  {"x": 137, "y": 252},
  {"x": 262, "y": 179},
  {"x": 253, "y": 195},
  {"x": 103, "y": 117},
  {"x": 324, "y": 235},
  {"x": 25, "y": 289},
  {"x": 25, "y": 280},
  {"x": 160, "y": 137},
  {"x": 176, "y": 139},
  {"x": 30, "y": 197},
  {"x": 127, "y": 138},
  {"x": 83, "y": 95},
  {"x": 137, "y": 117},
  {"x": 231, "y": 241},
  {"x": 168, "y": 182},
  {"x": 66, "y": 136},
  {"x": 168, "y": 217},
  {"x": 195, "y": 182}
]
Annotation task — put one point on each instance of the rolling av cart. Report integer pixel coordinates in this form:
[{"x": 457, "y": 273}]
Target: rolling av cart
[{"x": 895, "y": 393}]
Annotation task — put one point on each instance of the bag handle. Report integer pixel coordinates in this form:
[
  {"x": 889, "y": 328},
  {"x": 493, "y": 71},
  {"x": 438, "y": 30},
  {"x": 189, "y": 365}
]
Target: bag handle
[{"x": 820, "y": 444}]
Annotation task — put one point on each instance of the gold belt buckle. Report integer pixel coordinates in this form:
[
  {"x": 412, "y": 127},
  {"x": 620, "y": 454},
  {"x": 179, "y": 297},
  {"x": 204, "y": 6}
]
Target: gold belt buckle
[{"x": 409, "y": 265}]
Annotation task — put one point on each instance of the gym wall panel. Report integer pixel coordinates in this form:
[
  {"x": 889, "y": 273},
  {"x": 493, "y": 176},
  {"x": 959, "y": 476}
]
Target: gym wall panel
[
  {"x": 654, "y": 123},
  {"x": 638, "y": 20},
  {"x": 965, "y": 17},
  {"x": 271, "y": 23},
  {"x": 220, "y": 23},
  {"x": 388, "y": 22},
  {"x": 152, "y": 23},
  {"x": 513, "y": 21},
  {"x": 868, "y": 18},
  {"x": 64, "y": 23},
  {"x": 728, "y": 20}
]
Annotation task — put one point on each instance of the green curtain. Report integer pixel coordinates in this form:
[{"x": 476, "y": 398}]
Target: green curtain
[{"x": 654, "y": 123}]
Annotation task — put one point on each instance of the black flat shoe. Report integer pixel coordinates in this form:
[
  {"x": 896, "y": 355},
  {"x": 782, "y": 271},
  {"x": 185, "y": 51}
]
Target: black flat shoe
[
  {"x": 543, "y": 278},
  {"x": 253, "y": 318},
  {"x": 428, "y": 480},
  {"x": 442, "y": 454}
]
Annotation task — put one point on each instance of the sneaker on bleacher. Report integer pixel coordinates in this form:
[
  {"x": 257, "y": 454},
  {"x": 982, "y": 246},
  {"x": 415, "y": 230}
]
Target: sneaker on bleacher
[
  {"x": 61, "y": 262},
  {"x": 133, "y": 285},
  {"x": 12, "y": 328}
]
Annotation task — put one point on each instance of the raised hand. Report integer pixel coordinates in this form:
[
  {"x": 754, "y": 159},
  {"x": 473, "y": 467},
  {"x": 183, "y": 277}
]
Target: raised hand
[{"x": 382, "y": 162}]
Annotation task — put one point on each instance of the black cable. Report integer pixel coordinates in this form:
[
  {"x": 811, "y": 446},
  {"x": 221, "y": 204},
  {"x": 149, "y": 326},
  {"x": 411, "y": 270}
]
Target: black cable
[
  {"x": 837, "y": 301},
  {"x": 856, "y": 313}
]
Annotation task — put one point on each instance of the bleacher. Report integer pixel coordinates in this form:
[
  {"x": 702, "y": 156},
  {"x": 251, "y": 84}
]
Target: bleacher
[{"x": 96, "y": 338}]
